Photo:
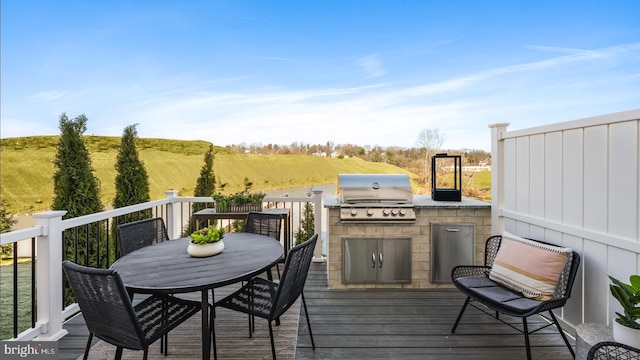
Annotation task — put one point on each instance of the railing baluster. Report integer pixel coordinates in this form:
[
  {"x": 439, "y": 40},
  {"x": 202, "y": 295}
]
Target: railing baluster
[{"x": 15, "y": 289}]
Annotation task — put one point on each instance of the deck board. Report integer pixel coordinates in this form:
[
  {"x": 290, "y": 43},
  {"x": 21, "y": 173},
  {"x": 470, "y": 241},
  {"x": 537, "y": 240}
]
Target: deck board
[{"x": 353, "y": 324}]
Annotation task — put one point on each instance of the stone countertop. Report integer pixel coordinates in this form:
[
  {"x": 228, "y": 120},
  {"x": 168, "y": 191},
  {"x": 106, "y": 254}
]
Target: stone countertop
[{"x": 420, "y": 201}]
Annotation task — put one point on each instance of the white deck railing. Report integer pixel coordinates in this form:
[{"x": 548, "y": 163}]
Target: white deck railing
[{"x": 49, "y": 229}]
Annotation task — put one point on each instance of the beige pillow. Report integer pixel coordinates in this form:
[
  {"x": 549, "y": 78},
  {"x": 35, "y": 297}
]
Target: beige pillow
[{"x": 528, "y": 266}]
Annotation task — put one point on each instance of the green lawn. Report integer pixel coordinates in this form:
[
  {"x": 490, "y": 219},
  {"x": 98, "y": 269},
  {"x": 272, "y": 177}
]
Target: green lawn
[
  {"x": 27, "y": 169},
  {"x": 6, "y": 298}
]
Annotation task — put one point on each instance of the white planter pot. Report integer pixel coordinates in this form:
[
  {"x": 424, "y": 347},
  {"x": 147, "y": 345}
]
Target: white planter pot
[
  {"x": 204, "y": 250},
  {"x": 626, "y": 335}
]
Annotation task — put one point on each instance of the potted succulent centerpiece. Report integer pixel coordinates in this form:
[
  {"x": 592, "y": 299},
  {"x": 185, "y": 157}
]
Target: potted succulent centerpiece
[
  {"x": 206, "y": 242},
  {"x": 626, "y": 327}
]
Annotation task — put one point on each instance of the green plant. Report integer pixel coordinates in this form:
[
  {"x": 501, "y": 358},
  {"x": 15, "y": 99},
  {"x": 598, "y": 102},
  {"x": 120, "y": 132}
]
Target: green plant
[
  {"x": 628, "y": 295},
  {"x": 307, "y": 224},
  {"x": 239, "y": 198},
  {"x": 207, "y": 235}
]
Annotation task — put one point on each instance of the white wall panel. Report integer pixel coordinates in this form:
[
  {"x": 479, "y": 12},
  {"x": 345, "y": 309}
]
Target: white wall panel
[
  {"x": 522, "y": 175},
  {"x": 572, "y": 177},
  {"x": 623, "y": 180},
  {"x": 622, "y": 263},
  {"x": 536, "y": 176},
  {"x": 596, "y": 186},
  {"x": 553, "y": 177},
  {"x": 509, "y": 174},
  {"x": 572, "y": 312},
  {"x": 596, "y": 289},
  {"x": 577, "y": 184}
]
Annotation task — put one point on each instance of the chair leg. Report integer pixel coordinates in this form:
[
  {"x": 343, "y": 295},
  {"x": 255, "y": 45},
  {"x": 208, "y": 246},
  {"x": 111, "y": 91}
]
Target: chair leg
[
  {"x": 464, "y": 306},
  {"x": 88, "y": 347},
  {"x": 118, "y": 353},
  {"x": 306, "y": 313},
  {"x": 273, "y": 344},
  {"x": 526, "y": 337},
  {"x": 564, "y": 337}
]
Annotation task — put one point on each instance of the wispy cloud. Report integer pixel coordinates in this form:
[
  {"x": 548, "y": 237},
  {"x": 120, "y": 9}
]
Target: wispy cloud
[
  {"x": 51, "y": 95},
  {"x": 278, "y": 58},
  {"x": 372, "y": 65}
]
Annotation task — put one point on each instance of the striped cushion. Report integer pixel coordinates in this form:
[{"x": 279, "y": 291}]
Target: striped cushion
[{"x": 529, "y": 267}]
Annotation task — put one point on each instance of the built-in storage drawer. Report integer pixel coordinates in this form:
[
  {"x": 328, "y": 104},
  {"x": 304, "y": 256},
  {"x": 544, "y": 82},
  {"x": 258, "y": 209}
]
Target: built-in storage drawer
[
  {"x": 451, "y": 245},
  {"x": 367, "y": 260}
]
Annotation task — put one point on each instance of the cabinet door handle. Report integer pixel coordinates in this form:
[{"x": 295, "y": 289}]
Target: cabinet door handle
[
  {"x": 453, "y": 230},
  {"x": 373, "y": 260},
  {"x": 380, "y": 264}
]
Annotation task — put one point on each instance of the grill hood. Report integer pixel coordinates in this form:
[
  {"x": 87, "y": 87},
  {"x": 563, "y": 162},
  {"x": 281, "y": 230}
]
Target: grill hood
[{"x": 375, "y": 188}]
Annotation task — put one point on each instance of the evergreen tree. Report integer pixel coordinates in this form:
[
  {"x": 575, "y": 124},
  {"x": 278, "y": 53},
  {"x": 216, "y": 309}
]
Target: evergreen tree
[
  {"x": 6, "y": 223},
  {"x": 206, "y": 183},
  {"x": 132, "y": 180},
  {"x": 77, "y": 190},
  {"x": 307, "y": 224}
]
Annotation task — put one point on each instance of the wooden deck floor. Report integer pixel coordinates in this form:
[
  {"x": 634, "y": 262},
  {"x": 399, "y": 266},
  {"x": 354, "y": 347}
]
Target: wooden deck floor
[{"x": 381, "y": 324}]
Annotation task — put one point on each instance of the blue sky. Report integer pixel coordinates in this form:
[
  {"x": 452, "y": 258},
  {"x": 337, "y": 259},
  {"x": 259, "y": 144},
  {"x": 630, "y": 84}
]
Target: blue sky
[{"x": 360, "y": 72}]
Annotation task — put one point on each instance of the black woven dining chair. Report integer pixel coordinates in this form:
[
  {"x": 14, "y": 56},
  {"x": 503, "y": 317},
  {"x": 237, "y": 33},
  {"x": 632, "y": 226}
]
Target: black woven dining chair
[
  {"x": 110, "y": 315},
  {"x": 135, "y": 235},
  {"x": 269, "y": 300},
  {"x": 264, "y": 224},
  {"x": 609, "y": 350}
]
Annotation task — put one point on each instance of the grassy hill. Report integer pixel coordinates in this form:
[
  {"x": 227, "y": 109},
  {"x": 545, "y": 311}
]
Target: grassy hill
[{"x": 26, "y": 169}]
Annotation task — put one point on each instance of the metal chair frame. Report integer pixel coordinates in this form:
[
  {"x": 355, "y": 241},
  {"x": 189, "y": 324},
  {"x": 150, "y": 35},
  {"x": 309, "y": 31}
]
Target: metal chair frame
[
  {"x": 111, "y": 316},
  {"x": 608, "y": 350},
  {"x": 479, "y": 275},
  {"x": 264, "y": 224},
  {"x": 135, "y": 235},
  {"x": 269, "y": 300}
]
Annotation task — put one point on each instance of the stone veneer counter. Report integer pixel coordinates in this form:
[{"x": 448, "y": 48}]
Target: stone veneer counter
[{"x": 428, "y": 212}]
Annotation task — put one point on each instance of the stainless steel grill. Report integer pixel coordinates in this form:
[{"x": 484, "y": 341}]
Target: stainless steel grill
[{"x": 385, "y": 198}]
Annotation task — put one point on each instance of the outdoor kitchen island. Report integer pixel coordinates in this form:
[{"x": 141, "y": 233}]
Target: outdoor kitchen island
[{"x": 398, "y": 254}]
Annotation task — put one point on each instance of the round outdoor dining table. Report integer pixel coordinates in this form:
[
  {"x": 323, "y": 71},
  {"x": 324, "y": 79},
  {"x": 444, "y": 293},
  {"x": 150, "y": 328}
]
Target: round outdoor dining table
[{"x": 167, "y": 268}]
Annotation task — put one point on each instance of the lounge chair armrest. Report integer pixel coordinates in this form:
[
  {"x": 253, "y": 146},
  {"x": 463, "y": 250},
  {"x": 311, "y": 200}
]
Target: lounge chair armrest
[{"x": 469, "y": 270}]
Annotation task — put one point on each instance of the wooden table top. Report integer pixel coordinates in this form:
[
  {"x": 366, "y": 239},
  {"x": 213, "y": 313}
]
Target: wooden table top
[{"x": 166, "y": 267}]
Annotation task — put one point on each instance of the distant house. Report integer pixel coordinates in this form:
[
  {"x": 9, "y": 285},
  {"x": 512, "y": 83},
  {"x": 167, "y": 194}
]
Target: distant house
[{"x": 485, "y": 162}]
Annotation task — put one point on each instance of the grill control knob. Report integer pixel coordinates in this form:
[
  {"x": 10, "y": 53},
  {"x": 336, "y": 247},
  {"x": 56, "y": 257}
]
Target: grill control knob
[
  {"x": 394, "y": 212},
  {"x": 369, "y": 212},
  {"x": 386, "y": 212},
  {"x": 403, "y": 212},
  {"x": 353, "y": 212}
]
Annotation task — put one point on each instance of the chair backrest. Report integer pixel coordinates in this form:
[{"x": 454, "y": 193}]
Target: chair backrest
[
  {"x": 612, "y": 350},
  {"x": 294, "y": 275},
  {"x": 264, "y": 224},
  {"x": 567, "y": 277},
  {"x": 135, "y": 235},
  {"x": 105, "y": 305}
]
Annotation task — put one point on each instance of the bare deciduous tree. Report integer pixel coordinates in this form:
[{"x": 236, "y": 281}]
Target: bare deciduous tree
[{"x": 429, "y": 141}]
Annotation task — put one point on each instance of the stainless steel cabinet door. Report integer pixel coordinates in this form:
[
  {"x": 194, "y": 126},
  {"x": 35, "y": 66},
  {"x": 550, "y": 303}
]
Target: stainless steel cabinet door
[
  {"x": 451, "y": 245},
  {"x": 360, "y": 260},
  {"x": 394, "y": 260}
]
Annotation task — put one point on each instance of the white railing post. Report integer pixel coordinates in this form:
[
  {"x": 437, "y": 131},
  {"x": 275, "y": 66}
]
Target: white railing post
[
  {"x": 173, "y": 215},
  {"x": 497, "y": 176},
  {"x": 317, "y": 215},
  {"x": 49, "y": 275}
]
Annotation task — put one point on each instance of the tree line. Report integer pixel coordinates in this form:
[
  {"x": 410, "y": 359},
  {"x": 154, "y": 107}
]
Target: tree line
[{"x": 415, "y": 159}]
